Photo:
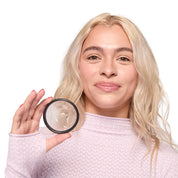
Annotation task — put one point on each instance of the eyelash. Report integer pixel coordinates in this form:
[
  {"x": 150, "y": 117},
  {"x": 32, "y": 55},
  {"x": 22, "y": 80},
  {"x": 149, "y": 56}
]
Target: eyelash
[
  {"x": 120, "y": 59},
  {"x": 93, "y": 57},
  {"x": 124, "y": 59}
]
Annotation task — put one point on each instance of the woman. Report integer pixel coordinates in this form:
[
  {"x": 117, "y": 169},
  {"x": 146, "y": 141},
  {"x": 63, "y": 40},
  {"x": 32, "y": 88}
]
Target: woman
[{"x": 111, "y": 75}]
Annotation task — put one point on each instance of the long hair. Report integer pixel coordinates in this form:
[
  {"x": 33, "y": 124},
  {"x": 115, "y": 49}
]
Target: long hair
[{"x": 146, "y": 117}]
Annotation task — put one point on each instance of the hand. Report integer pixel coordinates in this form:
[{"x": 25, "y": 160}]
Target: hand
[{"x": 27, "y": 118}]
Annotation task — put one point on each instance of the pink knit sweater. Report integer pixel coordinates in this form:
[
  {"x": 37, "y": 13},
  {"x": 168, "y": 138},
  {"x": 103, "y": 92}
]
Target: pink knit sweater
[{"x": 103, "y": 147}]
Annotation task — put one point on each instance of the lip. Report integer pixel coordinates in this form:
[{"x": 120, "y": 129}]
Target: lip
[{"x": 107, "y": 86}]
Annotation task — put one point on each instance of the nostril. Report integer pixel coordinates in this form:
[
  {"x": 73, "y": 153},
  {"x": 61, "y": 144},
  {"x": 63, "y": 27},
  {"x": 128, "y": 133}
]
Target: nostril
[
  {"x": 108, "y": 68},
  {"x": 108, "y": 74}
]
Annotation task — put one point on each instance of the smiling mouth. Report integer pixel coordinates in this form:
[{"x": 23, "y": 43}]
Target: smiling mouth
[{"x": 107, "y": 87}]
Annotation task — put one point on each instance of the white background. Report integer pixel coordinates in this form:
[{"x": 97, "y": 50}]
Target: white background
[{"x": 35, "y": 35}]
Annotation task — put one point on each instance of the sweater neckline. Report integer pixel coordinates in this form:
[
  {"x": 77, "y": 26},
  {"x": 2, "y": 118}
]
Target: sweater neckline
[{"x": 106, "y": 124}]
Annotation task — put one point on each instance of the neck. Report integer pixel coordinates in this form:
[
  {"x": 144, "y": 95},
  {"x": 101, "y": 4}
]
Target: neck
[
  {"x": 105, "y": 124},
  {"x": 110, "y": 112}
]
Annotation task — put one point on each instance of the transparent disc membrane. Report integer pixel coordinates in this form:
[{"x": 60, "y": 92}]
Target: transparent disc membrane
[{"x": 61, "y": 116}]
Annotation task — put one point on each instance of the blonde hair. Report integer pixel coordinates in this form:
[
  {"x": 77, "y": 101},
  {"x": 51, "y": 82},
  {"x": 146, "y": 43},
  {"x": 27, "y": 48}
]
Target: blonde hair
[{"x": 144, "y": 113}]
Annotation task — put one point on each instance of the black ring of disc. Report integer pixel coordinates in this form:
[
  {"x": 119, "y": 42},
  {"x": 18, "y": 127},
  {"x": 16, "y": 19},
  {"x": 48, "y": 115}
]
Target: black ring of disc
[{"x": 58, "y": 131}]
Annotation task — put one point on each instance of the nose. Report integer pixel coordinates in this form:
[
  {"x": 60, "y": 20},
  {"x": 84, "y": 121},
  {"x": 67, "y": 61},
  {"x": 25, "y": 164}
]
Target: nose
[{"x": 108, "y": 68}]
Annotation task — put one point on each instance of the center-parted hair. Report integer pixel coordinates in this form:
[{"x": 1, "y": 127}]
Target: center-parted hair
[{"x": 145, "y": 114}]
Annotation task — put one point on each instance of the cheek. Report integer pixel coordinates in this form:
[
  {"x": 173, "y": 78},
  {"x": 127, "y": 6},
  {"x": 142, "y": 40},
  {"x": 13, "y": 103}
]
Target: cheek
[
  {"x": 129, "y": 81},
  {"x": 130, "y": 77},
  {"x": 84, "y": 73},
  {"x": 87, "y": 73}
]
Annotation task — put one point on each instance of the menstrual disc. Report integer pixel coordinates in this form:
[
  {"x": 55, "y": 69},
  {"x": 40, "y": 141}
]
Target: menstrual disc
[{"x": 61, "y": 116}]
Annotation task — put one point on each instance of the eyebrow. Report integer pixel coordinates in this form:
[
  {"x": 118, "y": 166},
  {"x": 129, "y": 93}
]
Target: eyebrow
[{"x": 97, "y": 48}]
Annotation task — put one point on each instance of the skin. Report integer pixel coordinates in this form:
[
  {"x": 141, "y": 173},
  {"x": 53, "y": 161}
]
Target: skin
[
  {"x": 107, "y": 71},
  {"x": 27, "y": 118},
  {"x": 109, "y": 79}
]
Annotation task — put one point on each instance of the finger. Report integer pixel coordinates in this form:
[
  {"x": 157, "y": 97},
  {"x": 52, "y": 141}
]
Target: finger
[
  {"x": 39, "y": 96},
  {"x": 40, "y": 109},
  {"x": 38, "y": 113},
  {"x": 17, "y": 118},
  {"x": 28, "y": 103},
  {"x": 19, "y": 113},
  {"x": 57, "y": 139}
]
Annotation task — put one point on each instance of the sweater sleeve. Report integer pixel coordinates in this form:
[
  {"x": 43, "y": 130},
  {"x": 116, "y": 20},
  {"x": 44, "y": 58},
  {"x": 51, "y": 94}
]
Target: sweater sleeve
[
  {"x": 25, "y": 153},
  {"x": 168, "y": 162},
  {"x": 172, "y": 168}
]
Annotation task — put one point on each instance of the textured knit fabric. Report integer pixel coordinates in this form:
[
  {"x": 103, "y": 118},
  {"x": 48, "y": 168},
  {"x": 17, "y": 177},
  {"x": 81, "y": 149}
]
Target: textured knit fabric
[{"x": 103, "y": 147}]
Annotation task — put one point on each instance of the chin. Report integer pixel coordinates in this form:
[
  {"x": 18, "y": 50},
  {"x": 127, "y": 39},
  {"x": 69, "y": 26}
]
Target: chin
[{"x": 107, "y": 103}]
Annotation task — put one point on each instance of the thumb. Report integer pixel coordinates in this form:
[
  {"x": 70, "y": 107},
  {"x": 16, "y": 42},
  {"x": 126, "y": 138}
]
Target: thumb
[{"x": 57, "y": 139}]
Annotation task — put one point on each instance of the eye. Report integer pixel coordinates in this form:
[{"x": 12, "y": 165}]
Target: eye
[
  {"x": 93, "y": 57},
  {"x": 124, "y": 60}
]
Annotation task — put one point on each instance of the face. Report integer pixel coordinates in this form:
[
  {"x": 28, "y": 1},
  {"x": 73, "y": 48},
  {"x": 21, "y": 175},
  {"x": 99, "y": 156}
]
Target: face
[{"x": 107, "y": 71}]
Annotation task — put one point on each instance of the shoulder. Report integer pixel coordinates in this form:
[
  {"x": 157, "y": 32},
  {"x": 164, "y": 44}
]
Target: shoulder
[
  {"x": 168, "y": 160},
  {"x": 167, "y": 152}
]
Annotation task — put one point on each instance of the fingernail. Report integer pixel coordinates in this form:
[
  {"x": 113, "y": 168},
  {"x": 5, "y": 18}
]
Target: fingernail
[
  {"x": 41, "y": 90},
  {"x": 70, "y": 136},
  {"x": 20, "y": 105},
  {"x": 50, "y": 97},
  {"x": 33, "y": 91}
]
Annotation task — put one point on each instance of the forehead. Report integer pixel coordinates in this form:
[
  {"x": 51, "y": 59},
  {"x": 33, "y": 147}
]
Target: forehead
[{"x": 102, "y": 35}]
